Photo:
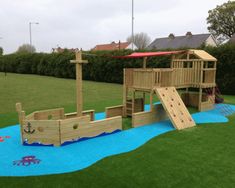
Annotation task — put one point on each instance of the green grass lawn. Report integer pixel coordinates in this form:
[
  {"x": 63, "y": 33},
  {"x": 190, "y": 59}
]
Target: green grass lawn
[
  {"x": 202, "y": 156},
  {"x": 41, "y": 92}
]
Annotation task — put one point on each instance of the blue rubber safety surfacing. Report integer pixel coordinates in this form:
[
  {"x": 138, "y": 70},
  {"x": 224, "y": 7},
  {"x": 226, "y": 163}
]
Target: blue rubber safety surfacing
[{"x": 77, "y": 156}]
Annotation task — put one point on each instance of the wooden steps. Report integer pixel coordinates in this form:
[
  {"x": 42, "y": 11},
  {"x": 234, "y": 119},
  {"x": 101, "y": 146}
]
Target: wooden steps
[{"x": 131, "y": 108}]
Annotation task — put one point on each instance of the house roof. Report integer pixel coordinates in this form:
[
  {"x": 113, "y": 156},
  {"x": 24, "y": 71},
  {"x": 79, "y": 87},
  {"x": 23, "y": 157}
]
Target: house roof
[
  {"x": 112, "y": 46},
  {"x": 60, "y": 50},
  {"x": 175, "y": 42}
]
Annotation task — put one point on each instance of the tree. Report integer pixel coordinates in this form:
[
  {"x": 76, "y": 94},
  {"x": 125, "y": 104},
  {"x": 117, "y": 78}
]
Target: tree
[
  {"x": 1, "y": 51},
  {"x": 221, "y": 20},
  {"x": 141, "y": 40},
  {"x": 26, "y": 48}
]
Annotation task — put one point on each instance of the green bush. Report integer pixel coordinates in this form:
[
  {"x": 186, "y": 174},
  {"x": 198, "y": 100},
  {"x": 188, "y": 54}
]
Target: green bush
[
  {"x": 103, "y": 68},
  {"x": 225, "y": 75}
]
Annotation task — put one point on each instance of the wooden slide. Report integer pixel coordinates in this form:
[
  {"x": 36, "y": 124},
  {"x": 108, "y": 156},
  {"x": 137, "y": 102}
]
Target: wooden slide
[{"x": 175, "y": 108}]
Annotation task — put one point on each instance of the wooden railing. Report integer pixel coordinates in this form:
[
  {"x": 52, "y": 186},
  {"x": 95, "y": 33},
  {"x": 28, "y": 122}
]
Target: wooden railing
[
  {"x": 128, "y": 77},
  {"x": 183, "y": 77},
  {"x": 143, "y": 78},
  {"x": 209, "y": 75},
  {"x": 177, "y": 77},
  {"x": 148, "y": 78}
]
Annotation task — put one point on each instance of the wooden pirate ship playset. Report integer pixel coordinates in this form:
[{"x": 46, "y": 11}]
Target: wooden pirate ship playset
[
  {"x": 189, "y": 69},
  {"x": 54, "y": 127}
]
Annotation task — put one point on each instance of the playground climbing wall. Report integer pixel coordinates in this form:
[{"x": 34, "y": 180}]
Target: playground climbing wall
[{"x": 175, "y": 108}]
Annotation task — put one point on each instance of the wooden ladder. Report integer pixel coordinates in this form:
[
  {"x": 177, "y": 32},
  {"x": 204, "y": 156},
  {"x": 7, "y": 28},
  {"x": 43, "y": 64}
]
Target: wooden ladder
[{"x": 129, "y": 106}]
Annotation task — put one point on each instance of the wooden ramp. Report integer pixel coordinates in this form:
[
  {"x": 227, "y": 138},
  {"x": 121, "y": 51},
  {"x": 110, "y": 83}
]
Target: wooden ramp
[{"x": 175, "y": 108}]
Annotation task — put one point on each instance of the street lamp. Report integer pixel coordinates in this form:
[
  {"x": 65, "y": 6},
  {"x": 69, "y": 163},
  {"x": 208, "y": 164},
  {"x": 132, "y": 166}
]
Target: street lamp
[{"x": 30, "y": 32}]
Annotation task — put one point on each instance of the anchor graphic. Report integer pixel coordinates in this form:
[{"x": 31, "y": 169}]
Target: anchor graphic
[{"x": 29, "y": 129}]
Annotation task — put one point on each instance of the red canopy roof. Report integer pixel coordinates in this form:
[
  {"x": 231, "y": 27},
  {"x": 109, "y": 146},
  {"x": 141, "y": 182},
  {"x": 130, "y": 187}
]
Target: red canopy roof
[{"x": 150, "y": 54}]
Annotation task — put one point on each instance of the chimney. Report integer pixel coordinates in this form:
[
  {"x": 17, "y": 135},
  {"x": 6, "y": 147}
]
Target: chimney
[
  {"x": 189, "y": 34},
  {"x": 171, "y": 36}
]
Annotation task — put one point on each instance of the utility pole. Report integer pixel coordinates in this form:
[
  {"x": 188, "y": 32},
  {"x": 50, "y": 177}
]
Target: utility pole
[
  {"x": 30, "y": 33},
  {"x": 132, "y": 27}
]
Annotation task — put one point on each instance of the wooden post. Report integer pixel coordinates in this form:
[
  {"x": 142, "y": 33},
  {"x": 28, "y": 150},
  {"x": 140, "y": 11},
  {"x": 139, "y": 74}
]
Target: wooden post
[
  {"x": 188, "y": 57},
  {"x": 172, "y": 59},
  {"x": 200, "y": 99},
  {"x": 133, "y": 101},
  {"x": 125, "y": 92},
  {"x": 21, "y": 116},
  {"x": 144, "y": 99},
  {"x": 214, "y": 66},
  {"x": 79, "y": 63},
  {"x": 151, "y": 100},
  {"x": 200, "y": 85},
  {"x": 144, "y": 62}
]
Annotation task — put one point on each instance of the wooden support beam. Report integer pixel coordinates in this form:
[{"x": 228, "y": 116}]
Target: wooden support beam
[
  {"x": 200, "y": 99},
  {"x": 151, "y": 100},
  {"x": 172, "y": 59},
  {"x": 144, "y": 62},
  {"x": 21, "y": 116},
  {"x": 133, "y": 101},
  {"x": 124, "y": 93},
  {"x": 144, "y": 96}
]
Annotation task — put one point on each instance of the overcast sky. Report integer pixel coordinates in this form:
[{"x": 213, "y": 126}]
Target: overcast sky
[{"x": 85, "y": 23}]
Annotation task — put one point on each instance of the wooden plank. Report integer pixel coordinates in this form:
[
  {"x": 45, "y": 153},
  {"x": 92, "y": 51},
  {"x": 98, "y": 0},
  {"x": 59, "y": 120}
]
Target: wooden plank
[
  {"x": 18, "y": 107},
  {"x": 41, "y": 131},
  {"x": 208, "y": 105},
  {"x": 30, "y": 116},
  {"x": 192, "y": 98},
  {"x": 155, "y": 115},
  {"x": 186, "y": 60},
  {"x": 114, "y": 111},
  {"x": 91, "y": 113},
  {"x": 51, "y": 114},
  {"x": 81, "y": 127},
  {"x": 69, "y": 128}
]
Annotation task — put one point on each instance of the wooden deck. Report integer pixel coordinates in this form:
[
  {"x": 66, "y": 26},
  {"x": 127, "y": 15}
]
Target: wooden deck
[{"x": 147, "y": 79}]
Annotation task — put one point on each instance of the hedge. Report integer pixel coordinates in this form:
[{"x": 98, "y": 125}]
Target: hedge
[
  {"x": 225, "y": 75},
  {"x": 103, "y": 68}
]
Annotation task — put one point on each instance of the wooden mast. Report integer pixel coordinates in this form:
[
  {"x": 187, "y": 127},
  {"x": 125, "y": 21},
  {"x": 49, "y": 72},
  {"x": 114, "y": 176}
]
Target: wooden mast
[{"x": 79, "y": 63}]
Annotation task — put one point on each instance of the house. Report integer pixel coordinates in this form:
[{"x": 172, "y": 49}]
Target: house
[
  {"x": 114, "y": 46},
  {"x": 187, "y": 41},
  {"x": 61, "y": 50}
]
